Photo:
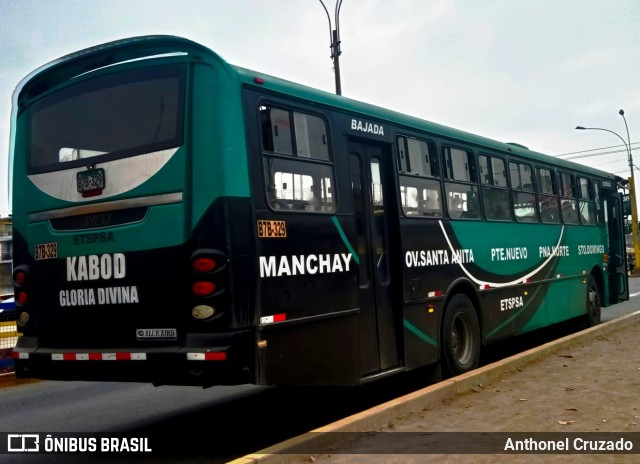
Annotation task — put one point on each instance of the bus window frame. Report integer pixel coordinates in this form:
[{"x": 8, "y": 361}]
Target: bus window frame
[
  {"x": 173, "y": 68},
  {"x": 473, "y": 183},
  {"x": 404, "y": 161},
  {"x": 490, "y": 186},
  {"x": 572, "y": 198},
  {"x": 542, "y": 196},
  {"x": 590, "y": 200},
  {"x": 294, "y": 158},
  {"x": 520, "y": 189}
]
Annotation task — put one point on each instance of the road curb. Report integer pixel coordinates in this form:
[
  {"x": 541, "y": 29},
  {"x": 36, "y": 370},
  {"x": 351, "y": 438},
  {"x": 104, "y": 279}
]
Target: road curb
[{"x": 381, "y": 415}]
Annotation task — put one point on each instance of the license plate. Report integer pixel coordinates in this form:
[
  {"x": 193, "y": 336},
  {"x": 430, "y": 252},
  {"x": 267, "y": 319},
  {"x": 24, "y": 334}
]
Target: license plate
[
  {"x": 90, "y": 181},
  {"x": 47, "y": 250}
]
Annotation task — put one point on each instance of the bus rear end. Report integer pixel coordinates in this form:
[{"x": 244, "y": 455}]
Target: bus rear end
[{"x": 120, "y": 274}]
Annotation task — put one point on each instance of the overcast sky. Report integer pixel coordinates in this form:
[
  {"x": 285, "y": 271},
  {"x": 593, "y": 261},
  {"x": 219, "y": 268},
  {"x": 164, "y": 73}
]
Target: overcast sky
[{"x": 525, "y": 71}]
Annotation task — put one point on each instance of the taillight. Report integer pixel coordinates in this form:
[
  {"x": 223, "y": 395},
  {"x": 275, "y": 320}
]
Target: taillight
[
  {"x": 21, "y": 285},
  {"x": 20, "y": 277},
  {"x": 204, "y": 265},
  {"x": 203, "y": 288},
  {"x": 209, "y": 279}
]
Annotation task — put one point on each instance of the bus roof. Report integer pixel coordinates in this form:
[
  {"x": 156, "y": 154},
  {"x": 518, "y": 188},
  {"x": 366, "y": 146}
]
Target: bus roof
[
  {"x": 327, "y": 99},
  {"x": 135, "y": 47}
]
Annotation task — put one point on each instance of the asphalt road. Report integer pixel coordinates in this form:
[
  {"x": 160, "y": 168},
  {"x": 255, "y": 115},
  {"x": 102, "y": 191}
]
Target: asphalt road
[{"x": 189, "y": 424}]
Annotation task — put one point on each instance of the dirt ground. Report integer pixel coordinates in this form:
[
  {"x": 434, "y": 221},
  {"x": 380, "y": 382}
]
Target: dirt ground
[{"x": 589, "y": 387}]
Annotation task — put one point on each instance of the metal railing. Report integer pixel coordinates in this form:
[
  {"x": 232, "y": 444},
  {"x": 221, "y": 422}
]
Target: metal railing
[{"x": 8, "y": 339}]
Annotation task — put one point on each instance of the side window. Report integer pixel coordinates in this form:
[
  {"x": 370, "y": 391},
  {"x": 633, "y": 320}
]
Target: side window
[
  {"x": 459, "y": 165},
  {"x": 524, "y": 200},
  {"x": 547, "y": 199},
  {"x": 420, "y": 190},
  {"x": 276, "y": 130},
  {"x": 568, "y": 204},
  {"x": 310, "y": 136},
  {"x": 495, "y": 196},
  {"x": 587, "y": 201},
  {"x": 598, "y": 202},
  {"x": 292, "y": 133},
  {"x": 461, "y": 189},
  {"x": 297, "y": 166}
]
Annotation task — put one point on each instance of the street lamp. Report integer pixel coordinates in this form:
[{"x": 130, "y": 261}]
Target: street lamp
[
  {"x": 621, "y": 113},
  {"x": 632, "y": 190},
  {"x": 334, "y": 39}
]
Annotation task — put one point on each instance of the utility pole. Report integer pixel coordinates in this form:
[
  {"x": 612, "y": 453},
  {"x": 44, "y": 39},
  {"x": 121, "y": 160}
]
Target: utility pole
[
  {"x": 632, "y": 199},
  {"x": 334, "y": 40}
]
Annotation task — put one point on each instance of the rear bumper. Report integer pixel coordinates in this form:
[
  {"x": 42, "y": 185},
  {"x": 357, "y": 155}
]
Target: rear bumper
[{"x": 204, "y": 360}]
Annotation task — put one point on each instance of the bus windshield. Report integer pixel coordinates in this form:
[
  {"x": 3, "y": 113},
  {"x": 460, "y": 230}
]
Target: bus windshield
[{"x": 108, "y": 117}]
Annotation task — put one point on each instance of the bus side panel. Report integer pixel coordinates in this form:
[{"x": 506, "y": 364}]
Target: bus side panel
[
  {"x": 422, "y": 315},
  {"x": 308, "y": 327},
  {"x": 307, "y": 309},
  {"x": 310, "y": 353}
]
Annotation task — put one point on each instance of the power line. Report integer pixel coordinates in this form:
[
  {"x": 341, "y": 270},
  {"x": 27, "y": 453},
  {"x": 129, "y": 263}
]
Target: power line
[
  {"x": 608, "y": 162},
  {"x": 597, "y": 149},
  {"x": 598, "y": 154}
]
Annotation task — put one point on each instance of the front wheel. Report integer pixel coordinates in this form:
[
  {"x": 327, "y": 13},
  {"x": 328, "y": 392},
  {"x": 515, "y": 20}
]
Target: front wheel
[
  {"x": 594, "y": 306},
  {"x": 460, "y": 337}
]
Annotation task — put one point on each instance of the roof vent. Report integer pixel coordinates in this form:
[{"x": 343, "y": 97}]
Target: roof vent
[{"x": 517, "y": 145}]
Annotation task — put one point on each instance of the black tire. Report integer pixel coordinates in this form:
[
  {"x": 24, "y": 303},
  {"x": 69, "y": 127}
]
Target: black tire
[
  {"x": 594, "y": 305},
  {"x": 460, "y": 337}
]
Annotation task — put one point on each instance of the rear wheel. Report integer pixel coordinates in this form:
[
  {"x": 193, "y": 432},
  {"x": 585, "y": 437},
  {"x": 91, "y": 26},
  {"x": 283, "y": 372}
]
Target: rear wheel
[
  {"x": 460, "y": 337},
  {"x": 593, "y": 303}
]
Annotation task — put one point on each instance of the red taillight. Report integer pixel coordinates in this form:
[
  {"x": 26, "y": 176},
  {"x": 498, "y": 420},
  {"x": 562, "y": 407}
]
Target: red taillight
[
  {"x": 203, "y": 288},
  {"x": 204, "y": 265},
  {"x": 20, "y": 277},
  {"x": 22, "y": 298}
]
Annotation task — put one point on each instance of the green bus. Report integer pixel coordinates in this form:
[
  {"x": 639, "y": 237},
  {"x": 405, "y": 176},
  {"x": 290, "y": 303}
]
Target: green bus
[{"x": 179, "y": 220}]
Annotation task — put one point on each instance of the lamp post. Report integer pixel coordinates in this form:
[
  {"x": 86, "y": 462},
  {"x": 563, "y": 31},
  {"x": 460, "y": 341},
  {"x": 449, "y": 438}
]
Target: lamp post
[
  {"x": 632, "y": 190},
  {"x": 621, "y": 113},
  {"x": 334, "y": 40}
]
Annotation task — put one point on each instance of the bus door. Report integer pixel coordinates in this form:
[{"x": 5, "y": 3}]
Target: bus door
[
  {"x": 372, "y": 201},
  {"x": 618, "y": 280}
]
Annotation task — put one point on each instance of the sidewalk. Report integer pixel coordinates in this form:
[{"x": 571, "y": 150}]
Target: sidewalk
[{"x": 585, "y": 382}]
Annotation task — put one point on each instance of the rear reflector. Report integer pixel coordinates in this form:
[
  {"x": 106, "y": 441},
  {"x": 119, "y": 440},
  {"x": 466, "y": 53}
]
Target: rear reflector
[
  {"x": 274, "y": 318},
  {"x": 120, "y": 356},
  {"x": 212, "y": 356}
]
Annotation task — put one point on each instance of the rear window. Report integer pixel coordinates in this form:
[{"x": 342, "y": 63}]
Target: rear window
[{"x": 108, "y": 117}]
